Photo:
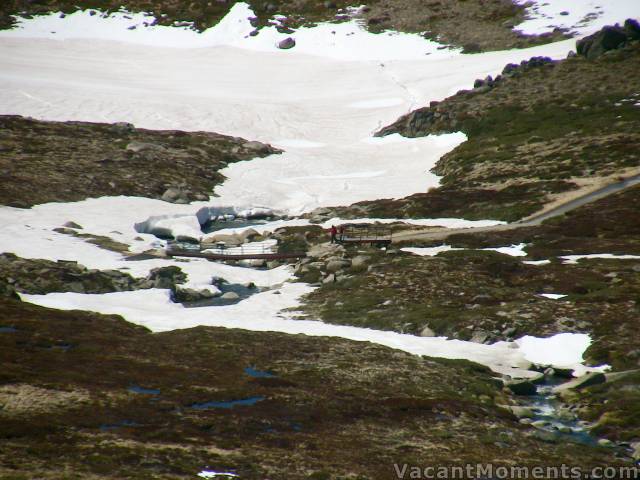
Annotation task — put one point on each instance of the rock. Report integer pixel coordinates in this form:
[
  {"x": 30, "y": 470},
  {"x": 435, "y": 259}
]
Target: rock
[
  {"x": 166, "y": 277},
  {"x": 605, "y": 442},
  {"x": 249, "y": 285},
  {"x": 521, "y": 387},
  {"x": 323, "y": 251},
  {"x": 8, "y": 291},
  {"x": 427, "y": 332},
  {"x": 539, "y": 423},
  {"x": 359, "y": 261},
  {"x": 337, "y": 265},
  {"x": 537, "y": 379},
  {"x": 175, "y": 195},
  {"x": 137, "y": 147},
  {"x": 632, "y": 29},
  {"x": 72, "y": 225},
  {"x": 287, "y": 43},
  {"x": 592, "y": 378},
  {"x": 521, "y": 412},
  {"x": 254, "y": 146},
  {"x": 545, "y": 436},
  {"x": 509, "y": 332},
  {"x": 636, "y": 450},
  {"x": 180, "y": 295},
  {"x": 273, "y": 264},
  {"x": 123, "y": 127},
  {"x": 230, "y": 296},
  {"x": 609, "y": 38},
  {"x": 331, "y": 278},
  {"x": 479, "y": 336}
]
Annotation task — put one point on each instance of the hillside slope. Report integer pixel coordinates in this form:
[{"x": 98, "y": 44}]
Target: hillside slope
[{"x": 537, "y": 131}]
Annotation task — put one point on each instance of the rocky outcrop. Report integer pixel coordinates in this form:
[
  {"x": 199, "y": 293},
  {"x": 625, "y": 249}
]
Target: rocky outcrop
[
  {"x": 39, "y": 277},
  {"x": 609, "y": 38},
  {"x": 44, "y": 162},
  {"x": 449, "y": 115}
]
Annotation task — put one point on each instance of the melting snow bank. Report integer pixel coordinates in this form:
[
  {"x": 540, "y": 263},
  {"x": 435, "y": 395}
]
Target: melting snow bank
[{"x": 263, "y": 312}]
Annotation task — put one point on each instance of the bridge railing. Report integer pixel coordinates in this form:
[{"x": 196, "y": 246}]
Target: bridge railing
[
  {"x": 247, "y": 249},
  {"x": 365, "y": 234}
]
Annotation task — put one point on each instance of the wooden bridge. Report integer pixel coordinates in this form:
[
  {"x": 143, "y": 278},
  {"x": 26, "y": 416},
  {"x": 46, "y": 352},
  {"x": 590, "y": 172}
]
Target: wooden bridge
[
  {"x": 221, "y": 252},
  {"x": 373, "y": 235}
]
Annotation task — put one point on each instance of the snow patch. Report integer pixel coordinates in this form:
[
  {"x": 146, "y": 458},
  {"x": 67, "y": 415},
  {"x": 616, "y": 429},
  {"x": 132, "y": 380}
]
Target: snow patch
[
  {"x": 581, "y": 17},
  {"x": 573, "y": 259},
  {"x": 553, "y": 296},
  {"x": 263, "y": 312},
  {"x": 563, "y": 350}
]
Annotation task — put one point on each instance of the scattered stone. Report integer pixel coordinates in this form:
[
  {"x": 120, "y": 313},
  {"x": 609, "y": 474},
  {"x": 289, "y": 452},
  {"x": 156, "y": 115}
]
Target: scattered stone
[
  {"x": 287, "y": 43},
  {"x": 72, "y": 225}
]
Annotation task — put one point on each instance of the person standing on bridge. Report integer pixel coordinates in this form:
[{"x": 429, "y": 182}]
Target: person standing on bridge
[{"x": 334, "y": 232}]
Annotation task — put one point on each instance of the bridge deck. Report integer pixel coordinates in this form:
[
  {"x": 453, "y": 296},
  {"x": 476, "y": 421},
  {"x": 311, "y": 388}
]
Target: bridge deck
[{"x": 231, "y": 256}]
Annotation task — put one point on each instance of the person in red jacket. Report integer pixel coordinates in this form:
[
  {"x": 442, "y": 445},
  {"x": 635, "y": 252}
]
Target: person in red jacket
[{"x": 334, "y": 232}]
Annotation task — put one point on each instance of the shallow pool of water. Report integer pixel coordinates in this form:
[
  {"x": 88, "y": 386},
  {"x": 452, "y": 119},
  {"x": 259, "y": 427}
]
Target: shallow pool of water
[
  {"x": 226, "y": 404},
  {"x": 142, "y": 390},
  {"x": 252, "y": 372}
]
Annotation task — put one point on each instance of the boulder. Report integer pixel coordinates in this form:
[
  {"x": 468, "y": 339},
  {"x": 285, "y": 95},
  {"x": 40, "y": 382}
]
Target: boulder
[
  {"x": 521, "y": 412},
  {"x": 230, "y": 296},
  {"x": 175, "y": 195},
  {"x": 72, "y": 225},
  {"x": 587, "y": 380},
  {"x": 427, "y": 332},
  {"x": 287, "y": 43},
  {"x": 609, "y": 38},
  {"x": 521, "y": 387},
  {"x": 636, "y": 450},
  {"x": 254, "y": 146},
  {"x": 335, "y": 265},
  {"x": 632, "y": 29},
  {"x": 479, "y": 336},
  {"x": 180, "y": 295},
  {"x": 166, "y": 277},
  {"x": 331, "y": 278},
  {"x": 359, "y": 261}
]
